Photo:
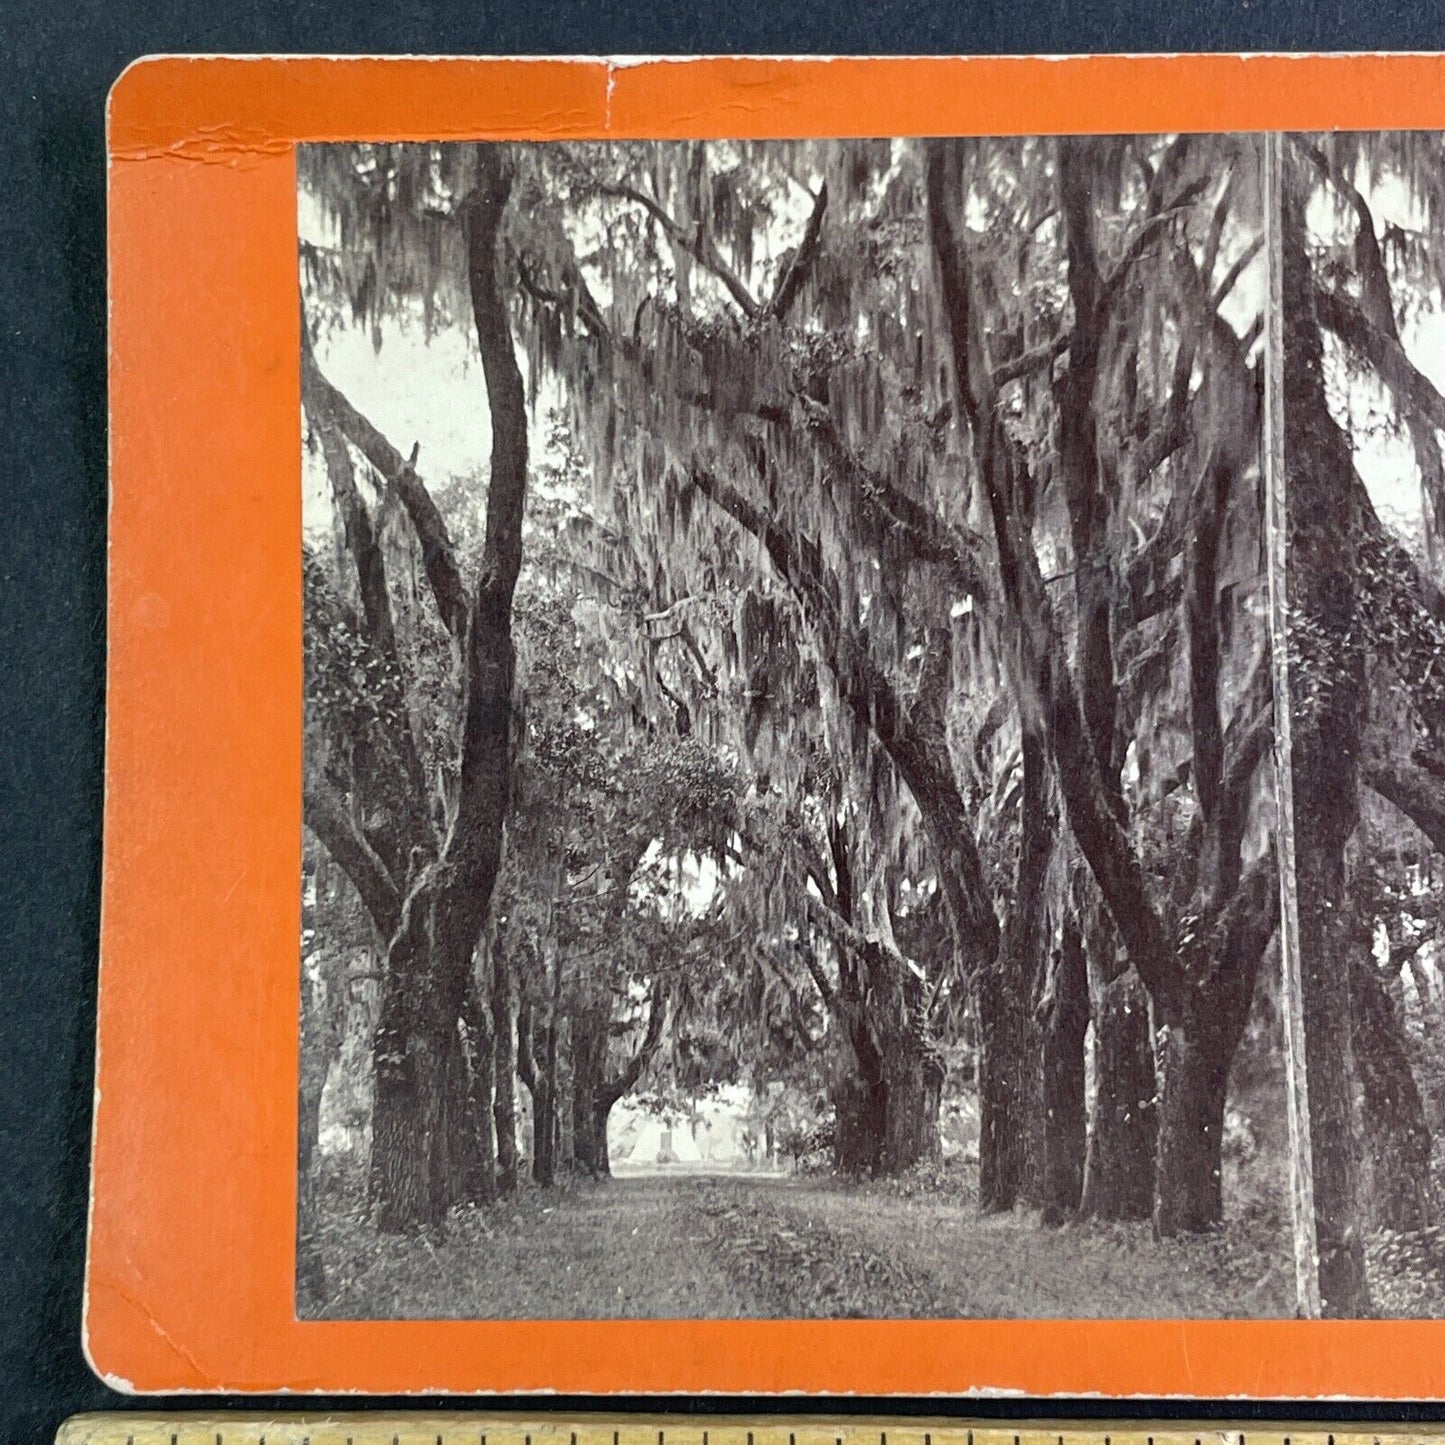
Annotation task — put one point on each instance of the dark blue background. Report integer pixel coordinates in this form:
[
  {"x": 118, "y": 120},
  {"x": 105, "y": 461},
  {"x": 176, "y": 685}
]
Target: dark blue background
[{"x": 57, "y": 63}]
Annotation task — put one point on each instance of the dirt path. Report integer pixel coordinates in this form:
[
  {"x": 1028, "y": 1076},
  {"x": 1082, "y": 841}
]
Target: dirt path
[
  {"x": 678, "y": 1247},
  {"x": 881, "y": 1255},
  {"x": 622, "y": 1249}
]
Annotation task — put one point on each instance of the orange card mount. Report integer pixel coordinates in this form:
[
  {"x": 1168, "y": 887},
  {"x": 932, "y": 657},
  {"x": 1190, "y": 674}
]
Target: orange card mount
[{"x": 259, "y": 467}]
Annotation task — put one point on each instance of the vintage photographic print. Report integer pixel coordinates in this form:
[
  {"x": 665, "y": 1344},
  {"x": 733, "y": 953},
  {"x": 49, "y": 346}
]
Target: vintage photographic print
[
  {"x": 791, "y": 809},
  {"x": 1362, "y": 362}
]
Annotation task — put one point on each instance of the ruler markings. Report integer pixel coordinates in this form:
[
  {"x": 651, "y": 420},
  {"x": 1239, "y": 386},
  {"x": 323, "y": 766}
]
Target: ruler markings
[{"x": 462, "y": 1428}]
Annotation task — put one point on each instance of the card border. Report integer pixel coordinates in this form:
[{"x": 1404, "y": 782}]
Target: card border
[{"x": 190, "y": 1269}]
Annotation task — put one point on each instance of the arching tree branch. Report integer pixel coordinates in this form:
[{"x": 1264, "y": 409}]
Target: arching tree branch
[
  {"x": 1045, "y": 671},
  {"x": 921, "y": 758},
  {"x": 696, "y": 242},
  {"x": 845, "y": 935},
  {"x": 1375, "y": 334},
  {"x": 356, "y": 523},
  {"x": 614, "y": 1088},
  {"x": 328, "y": 818},
  {"x": 1419, "y": 795},
  {"x": 797, "y": 270},
  {"x": 1415, "y": 392},
  {"x": 399, "y": 473}
]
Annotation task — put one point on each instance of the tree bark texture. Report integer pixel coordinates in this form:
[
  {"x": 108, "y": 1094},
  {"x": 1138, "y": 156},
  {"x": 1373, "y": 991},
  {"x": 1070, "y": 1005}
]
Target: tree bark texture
[
  {"x": 1063, "y": 1016},
  {"x": 1013, "y": 1043},
  {"x": 1195, "y": 975},
  {"x": 1397, "y": 1137},
  {"x": 430, "y": 960},
  {"x": 1123, "y": 1132},
  {"x": 1329, "y": 704},
  {"x": 504, "y": 1063}
]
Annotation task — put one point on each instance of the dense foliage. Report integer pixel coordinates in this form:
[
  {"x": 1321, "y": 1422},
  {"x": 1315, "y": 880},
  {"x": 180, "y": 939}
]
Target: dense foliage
[{"x": 878, "y": 531}]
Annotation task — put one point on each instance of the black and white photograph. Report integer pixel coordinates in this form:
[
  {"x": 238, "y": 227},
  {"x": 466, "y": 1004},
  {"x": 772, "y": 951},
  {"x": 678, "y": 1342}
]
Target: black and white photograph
[
  {"x": 1362, "y": 362},
  {"x": 873, "y": 728}
]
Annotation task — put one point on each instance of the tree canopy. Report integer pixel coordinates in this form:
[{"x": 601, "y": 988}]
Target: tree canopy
[{"x": 850, "y": 670}]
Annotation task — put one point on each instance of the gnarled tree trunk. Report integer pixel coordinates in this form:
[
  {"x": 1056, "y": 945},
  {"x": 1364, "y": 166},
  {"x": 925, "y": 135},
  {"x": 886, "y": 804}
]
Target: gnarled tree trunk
[
  {"x": 1329, "y": 701},
  {"x": 434, "y": 930},
  {"x": 1123, "y": 1131},
  {"x": 591, "y": 1022},
  {"x": 915, "y": 739},
  {"x": 504, "y": 1065},
  {"x": 412, "y": 1047},
  {"x": 888, "y": 1097},
  {"x": 1194, "y": 1053},
  {"x": 1185, "y": 986},
  {"x": 540, "y": 1094},
  {"x": 1011, "y": 1044},
  {"x": 595, "y": 1089},
  {"x": 320, "y": 1037},
  {"x": 1063, "y": 1023},
  {"x": 545, "y": 1131},
  {"x": 888, "y": 1077},
  {"x": 1198, "y": 1030},
  {"x": 1396, "y": 1134},
  {"x": 1007, "y": 1053},
  {"x": 910, "y": 1133},
  {"x": 471, "y": 1147}
]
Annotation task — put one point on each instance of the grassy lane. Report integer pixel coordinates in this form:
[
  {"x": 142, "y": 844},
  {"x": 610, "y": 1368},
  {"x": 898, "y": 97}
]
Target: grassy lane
[
  {"x": 618, "y": 1250},
  {"x": 699, "y": 1247},
  {"x": 930, "y": 1257}
]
